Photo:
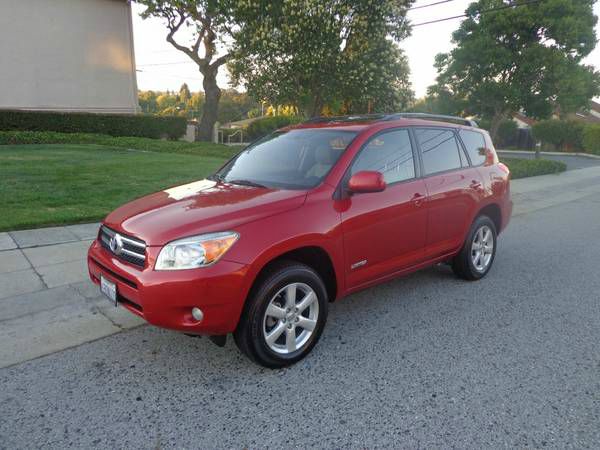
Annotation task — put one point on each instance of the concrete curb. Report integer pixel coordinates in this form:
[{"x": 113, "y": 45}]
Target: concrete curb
[{"x": 529, "y": 152}]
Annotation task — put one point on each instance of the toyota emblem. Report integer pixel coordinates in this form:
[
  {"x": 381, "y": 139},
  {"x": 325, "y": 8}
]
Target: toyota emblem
[{"x": 116, "y": 244}]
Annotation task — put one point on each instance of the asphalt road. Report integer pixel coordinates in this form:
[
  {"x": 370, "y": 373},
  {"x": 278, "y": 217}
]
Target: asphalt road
[
  {"x": 426, "y": 361},
  {"x": 572, "y": 161}
]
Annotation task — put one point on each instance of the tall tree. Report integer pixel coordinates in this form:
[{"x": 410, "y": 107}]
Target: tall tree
[
  {"x": 527, "y": 56},
  {"x": 313, "y": 53},
  {"x": 208, "y": 21},
  {"x": 184, "y": 94}
]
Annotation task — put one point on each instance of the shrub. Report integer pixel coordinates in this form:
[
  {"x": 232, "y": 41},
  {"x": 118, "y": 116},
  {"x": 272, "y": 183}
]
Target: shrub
[
  {"x": 591, "y": 139},
  {"x": 522, "y": 168},
  {"x": 133, "y": 143},
  {"x": 507, "y": 133},
  {"x": 563, "y": 135},
  {"x": 262, "y": 127},
  {"x": 110, "y": 124}
]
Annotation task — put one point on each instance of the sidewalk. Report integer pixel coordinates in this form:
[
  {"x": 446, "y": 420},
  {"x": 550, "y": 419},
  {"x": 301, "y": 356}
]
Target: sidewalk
[{"x": 47, "y": 302}]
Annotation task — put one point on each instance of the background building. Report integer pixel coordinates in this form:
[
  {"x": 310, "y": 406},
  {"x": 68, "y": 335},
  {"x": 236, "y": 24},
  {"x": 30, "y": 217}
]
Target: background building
[{"x": 67, "y": 55}]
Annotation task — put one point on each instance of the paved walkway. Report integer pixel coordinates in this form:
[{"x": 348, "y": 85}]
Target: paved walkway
[{"x": 47, "y": 302}]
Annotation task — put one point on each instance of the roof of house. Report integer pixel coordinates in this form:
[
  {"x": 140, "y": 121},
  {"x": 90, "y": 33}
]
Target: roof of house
[
  {"x": 241, "y": 123},
  {"x": 528, "y": 120},
  {"x": 595, "y": 106}
]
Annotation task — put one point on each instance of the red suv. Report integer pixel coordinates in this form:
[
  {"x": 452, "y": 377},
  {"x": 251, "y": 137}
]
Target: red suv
[{"x": 301, "y": 218}]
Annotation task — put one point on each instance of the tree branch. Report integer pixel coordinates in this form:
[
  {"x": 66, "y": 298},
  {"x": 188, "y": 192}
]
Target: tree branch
[{"x": 220, "y": 60}]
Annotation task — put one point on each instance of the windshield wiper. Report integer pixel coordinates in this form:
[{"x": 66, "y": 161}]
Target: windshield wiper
[
  {"x": 246, "y": 183},
  {"x": 215, "y": 177}
]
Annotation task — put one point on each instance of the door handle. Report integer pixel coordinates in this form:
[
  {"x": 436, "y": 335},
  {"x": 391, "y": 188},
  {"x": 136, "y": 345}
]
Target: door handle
[
  {"x": 417, "y": 199},
  {"x": 475, "y": 185}
]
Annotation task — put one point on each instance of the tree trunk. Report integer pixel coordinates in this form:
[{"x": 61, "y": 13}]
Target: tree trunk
[
  {"x": 212, "y": 96},
  {"x": 317, "y": 106},
  {"x": 495, "y": 126}
]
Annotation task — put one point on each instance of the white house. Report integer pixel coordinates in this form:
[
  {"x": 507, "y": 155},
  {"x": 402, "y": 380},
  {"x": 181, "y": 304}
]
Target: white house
[{"x": 67, "y": 55}]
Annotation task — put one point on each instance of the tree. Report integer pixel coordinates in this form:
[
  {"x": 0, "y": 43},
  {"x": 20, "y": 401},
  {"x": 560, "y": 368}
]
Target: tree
[
  {"x": 208, "y": 20},
  {"x": 342, "y": 54},
  {"x": 525, "y": 57},
  {"x": 147, "y": 100},
  {"x": 184, "y": 94}
]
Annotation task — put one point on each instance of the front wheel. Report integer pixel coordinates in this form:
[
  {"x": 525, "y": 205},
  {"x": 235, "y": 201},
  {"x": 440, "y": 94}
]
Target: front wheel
[
  {"x": 479, "y": 250},
  {"x": 284, "y": 317}
]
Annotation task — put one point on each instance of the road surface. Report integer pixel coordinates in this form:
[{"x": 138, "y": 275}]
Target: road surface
[{"x": 426, "y": 361}]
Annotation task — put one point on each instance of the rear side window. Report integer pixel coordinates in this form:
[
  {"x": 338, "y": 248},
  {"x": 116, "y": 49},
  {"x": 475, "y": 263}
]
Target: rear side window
[
  {"x": 475, "y": 145},
  {"x": 439, "y": 149},
  {"x": 389, "y": 153}
]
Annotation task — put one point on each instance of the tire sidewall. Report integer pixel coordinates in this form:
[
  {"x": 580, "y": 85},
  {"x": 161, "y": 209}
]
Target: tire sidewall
[{"x": 293, "y": 274}]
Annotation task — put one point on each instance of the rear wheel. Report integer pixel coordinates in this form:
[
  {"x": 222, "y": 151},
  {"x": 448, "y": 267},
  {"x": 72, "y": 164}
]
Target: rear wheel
[
  {"x": 479, "y": 250},
  {"x": 284, "y": 317}
]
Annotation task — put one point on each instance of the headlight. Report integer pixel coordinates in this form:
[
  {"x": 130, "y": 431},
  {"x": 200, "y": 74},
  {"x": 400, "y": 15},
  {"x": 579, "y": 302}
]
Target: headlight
[{"x": 195, "y": 251}]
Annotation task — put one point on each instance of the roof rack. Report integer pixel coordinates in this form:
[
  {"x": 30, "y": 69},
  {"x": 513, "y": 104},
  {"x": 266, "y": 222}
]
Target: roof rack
[
  {"x": 393, "y": 116},
  {"x": 426, "y": 116},
  {"x": 348, "y": 118}
]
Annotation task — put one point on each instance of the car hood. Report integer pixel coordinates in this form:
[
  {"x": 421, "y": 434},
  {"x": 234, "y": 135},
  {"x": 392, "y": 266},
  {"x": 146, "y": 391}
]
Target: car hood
[{"x": 201, "y": 207}]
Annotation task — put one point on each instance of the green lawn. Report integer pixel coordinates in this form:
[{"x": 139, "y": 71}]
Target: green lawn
[
  {"x": 57, "y": 184},
  {"x": 53, "y": 184}
]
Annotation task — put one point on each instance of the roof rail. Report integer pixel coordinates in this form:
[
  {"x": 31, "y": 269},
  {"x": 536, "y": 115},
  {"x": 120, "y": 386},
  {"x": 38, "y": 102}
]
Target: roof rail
[
  {"x": 439, "y": 117},
  {"x": 348, "y": 118}
]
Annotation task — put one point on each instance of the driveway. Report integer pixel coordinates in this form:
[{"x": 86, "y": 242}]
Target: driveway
[
  {"x": 572, "y": 161},
  {"x": 423, "y": 361}
]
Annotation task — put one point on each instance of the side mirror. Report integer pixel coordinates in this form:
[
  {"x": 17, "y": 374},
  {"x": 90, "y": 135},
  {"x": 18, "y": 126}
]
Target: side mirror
[{"x": 366, "y": 181}]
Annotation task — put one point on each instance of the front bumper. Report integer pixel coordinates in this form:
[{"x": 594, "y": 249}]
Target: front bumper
[{"x": 166, "y": 298}]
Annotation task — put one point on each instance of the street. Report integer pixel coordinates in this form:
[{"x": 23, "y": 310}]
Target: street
[{"x": 424, "y": 361}]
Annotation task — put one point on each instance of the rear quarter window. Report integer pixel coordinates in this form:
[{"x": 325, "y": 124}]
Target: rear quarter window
[{"x": 475, "y": 145}]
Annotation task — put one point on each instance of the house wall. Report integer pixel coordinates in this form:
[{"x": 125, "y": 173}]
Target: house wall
[{"x": 67, "y": 55}]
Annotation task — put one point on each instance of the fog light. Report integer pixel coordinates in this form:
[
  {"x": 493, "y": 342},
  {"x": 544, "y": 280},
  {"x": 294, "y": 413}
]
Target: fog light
[{"x": 197, "y": 314}]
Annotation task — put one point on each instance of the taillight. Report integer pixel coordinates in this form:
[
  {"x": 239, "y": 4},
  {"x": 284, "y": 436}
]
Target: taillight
[{"x": 504, "y": 168}]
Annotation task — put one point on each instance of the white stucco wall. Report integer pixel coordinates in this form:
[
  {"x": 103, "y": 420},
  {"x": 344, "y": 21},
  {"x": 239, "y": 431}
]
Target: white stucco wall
[{"x": 67, "y": 55}]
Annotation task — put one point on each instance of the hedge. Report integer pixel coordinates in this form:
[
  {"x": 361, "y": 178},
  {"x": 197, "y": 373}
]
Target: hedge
[
  {"x": 591, "y": 139},
  {"x": 522, "y": 168},
  {"x": 109, "y": 124},
  {"x": 563, "y": 135},
  {"x": 262, "y": 127},
  {"x": 131, "y": 143}
]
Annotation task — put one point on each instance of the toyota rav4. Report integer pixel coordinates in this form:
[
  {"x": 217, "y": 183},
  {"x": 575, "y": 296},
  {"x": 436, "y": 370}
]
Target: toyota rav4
[{"x": 301, "y": 218}]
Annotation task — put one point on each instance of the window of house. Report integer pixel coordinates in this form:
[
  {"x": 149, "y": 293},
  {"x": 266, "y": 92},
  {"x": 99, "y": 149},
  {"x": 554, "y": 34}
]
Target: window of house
[
  {"x": 439, "y": 149},
  {"x": 389, "y": 153}
]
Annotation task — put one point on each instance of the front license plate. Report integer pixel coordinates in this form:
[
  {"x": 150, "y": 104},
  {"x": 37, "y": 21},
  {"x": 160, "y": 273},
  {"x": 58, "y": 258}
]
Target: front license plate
[{"x": 109, "y": 289}]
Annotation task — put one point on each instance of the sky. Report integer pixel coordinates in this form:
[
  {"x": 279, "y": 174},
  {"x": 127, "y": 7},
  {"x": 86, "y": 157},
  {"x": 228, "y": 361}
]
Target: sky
[{"x": 161, "y": 67}]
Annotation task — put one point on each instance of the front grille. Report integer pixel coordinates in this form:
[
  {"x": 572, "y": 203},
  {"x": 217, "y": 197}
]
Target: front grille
[{"x": 123, "y": 247}]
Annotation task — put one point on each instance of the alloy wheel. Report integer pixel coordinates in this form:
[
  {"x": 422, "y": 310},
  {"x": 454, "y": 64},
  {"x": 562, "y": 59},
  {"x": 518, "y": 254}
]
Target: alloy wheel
[
  {"x": 290, "y": 318},
  {"x": 482, "y": 248}
]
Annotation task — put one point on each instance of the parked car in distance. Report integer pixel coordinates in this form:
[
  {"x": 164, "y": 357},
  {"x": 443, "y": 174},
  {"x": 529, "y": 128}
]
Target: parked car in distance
[{"x": 302, "y": 218}]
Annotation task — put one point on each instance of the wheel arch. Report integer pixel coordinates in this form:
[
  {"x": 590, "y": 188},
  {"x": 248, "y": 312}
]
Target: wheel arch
[
  {"x": 494, "y": 212},
  {"x": 314, "y": 256}
]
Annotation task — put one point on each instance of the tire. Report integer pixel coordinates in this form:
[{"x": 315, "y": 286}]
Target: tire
[
  {"x": 271, "y": 331},
  {"x": 466, "y": 264}
]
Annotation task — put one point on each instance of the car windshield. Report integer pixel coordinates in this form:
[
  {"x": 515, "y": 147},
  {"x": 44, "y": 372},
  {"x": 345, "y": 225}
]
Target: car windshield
[{"x": 294, "y": 159}]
